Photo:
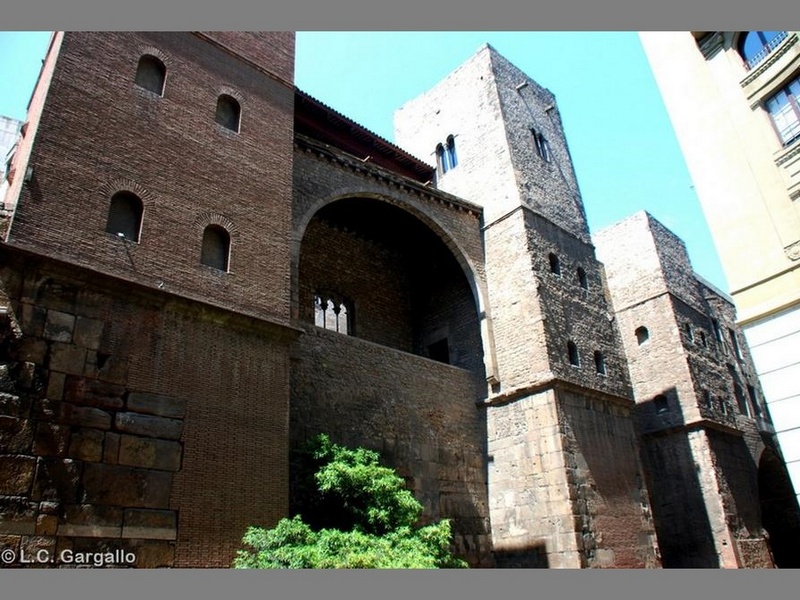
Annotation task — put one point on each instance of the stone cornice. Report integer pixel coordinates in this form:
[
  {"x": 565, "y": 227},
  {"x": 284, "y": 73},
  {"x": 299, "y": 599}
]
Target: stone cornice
[{"x": 369, "y": 170}]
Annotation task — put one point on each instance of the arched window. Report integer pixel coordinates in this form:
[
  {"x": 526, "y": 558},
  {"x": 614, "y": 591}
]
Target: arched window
[
  {"x": 228, "y": 112},
  {"x": 754, "y": 46},
  {"x": 689, "y": 332},
  {"x": 555, "y": 264},
  {"x": 452, "y": 158},
  {"x": 642, "y": 335},
  {"x": 599, "y": 362},
  {"x": 572, "y": 353},
  {"x": 542, "y": 145},
  {"x": 125, "y": 216},
  {"x": 661, "y": 404},
  {"x": 331, "y": 312},
  {"x": 151, "y": 74},
  {"x": 582, "y": 279},
  {"x": 216, "y": 247},
  {"x": 441, "y": 159}
]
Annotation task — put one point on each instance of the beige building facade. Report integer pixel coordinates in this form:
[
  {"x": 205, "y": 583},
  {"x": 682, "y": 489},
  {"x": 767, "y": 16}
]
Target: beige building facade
[{"x": 733, "y": 101}]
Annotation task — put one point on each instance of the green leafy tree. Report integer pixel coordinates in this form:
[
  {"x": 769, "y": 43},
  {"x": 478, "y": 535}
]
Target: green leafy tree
[{"x": 361, "y": 516}]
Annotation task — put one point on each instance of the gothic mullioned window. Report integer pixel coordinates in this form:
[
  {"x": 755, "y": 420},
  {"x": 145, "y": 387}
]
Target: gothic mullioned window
[
  {"x": 331, "y": 312},
  {"x": 446, "y": 157},
  {"x": 151, "y": 74}
]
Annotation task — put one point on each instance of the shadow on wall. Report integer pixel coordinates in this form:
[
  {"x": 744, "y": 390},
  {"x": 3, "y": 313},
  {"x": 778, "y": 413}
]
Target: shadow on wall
[
  {"x": 532, "y": 556},
  {"x": 680, "y": 514},
  {"x": 779, "y": 510}
]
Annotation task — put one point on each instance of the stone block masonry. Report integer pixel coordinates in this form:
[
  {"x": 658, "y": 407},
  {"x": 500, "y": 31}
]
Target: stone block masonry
[{"x": 95, "y": 422}]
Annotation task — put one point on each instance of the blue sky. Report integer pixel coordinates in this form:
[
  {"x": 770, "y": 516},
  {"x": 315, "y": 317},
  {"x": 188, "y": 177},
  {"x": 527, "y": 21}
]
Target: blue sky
[{"x": 620, "y": 138}]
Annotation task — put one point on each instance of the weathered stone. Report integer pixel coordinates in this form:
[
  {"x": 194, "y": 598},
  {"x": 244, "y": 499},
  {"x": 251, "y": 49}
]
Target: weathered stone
[
  {"x": 33, "y": 319},
  {"x": 14, "y": 406},
  {"x": 59, "y": 326},
  {"x": 67, "y": 358},
  {"x": 87, "y": 444},
  {"x": 51, "y": 440},
  {"x": 149, "y": 426},
  {"x": 88, "y": 332},
  {"x": 126, "y": 486},
  {"x": 88, "y": 520},
  {"x": 150, "y": 524},
  {"x": 46, "y": 524},
  {"x": 111, "y": 448},
  {"x": 55, "y": 385},
  {"x": 50, "y": 508},
  {"x": 26, "y": 375},
  {"x": 91, "y": 392},
  {"x": 16, "y": 435},
  {"x": 150, "y": 453},
  {"x": 16, "y": 475},
  {"x": 38, "y": 550},
  {"x": 56, "y": 480},
  {"x": 17, "y": 516},
  {"x": 85, "y": 416},
  {"x": 157, "y": 404},
  {"x": 32, "y": 350}
]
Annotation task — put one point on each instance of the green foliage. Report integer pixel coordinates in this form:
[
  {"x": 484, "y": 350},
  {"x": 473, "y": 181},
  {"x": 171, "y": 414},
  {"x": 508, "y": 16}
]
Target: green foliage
[{"x": 363, "y": 518}]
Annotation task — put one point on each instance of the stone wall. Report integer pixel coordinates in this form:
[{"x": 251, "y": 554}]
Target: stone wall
[{"x": 134, "y": 420}]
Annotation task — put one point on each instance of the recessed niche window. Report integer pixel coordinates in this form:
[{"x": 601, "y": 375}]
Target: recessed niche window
[
  {"x": 751, "y": 391},
  {"x": 707, "y": 402},
  {"x": 555, "y": 264},
  {"x": 703, "y": 340},
  {"x": 735, "y": 343},
  {"x": 661, "y": 405},
  {"x": 642, "y": 335},
  {"x": 441, "y": 159},
  {"x": 784, "y": 110},
  {"x": 216, "y": 247},
  {"x": 125, "y": 216},
  {"x": 599, "y": 362},
  {"x": 583, "y": 280},
  {"x": 689, "y": 332},
  {"x": 228, "y": 112},
  {"x": 151, "y": 74},
  {"x": 741, "y": 401},
  {"x": 717, "y": 330},
  {"x": 331, "y": 312},
  {"x": 439, "y": 351},
  {"x": 572, "y": 354}
]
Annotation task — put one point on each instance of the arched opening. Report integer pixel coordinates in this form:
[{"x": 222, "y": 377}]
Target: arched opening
[
  {"x": 400, "y": 280},
  {"x": 216, "y": 247},
  {"x": 452, "y": 158},
  {"x": 754, "y": 46},
  {"x": 228, "y": 112},
  {"x": 441, "y": 159},
  {"x": 779, "y": 510},
  {"x": 125, "y": 216},
  {"x": 151, "y": 74},
  {"x": 642, "y": 335}
]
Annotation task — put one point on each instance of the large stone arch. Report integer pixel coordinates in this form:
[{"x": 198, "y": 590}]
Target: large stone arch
[
  {"x": 469, "y": 265},
  {"x": 779, "y": 510}
]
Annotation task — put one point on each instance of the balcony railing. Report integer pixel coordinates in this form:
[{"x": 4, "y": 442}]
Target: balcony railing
[{"x": 764, "y": 52}]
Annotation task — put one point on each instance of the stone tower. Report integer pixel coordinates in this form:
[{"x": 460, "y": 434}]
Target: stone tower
[{"x": 565, "y": 486}]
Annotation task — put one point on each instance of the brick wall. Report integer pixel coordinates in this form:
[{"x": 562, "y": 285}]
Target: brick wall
[{"x": 188, "y": 170}]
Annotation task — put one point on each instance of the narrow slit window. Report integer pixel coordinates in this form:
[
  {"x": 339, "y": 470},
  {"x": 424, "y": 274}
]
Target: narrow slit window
[
  {"x": 216, "y": 247},
  {"x": 661, "y": 404},
  {"x": 599, "y": 362},
  {"x": 452, "y": 157},
  {"x": 151, "y": 74},
  {"x": 441, "y": 159},
  {"x": 555, "y": 264},
  {"x": 125, "y": 216},
  {"x": 229, "y": 112},
  {"x": 572, "y": 354},
  {"x": 583, "y": 280}
]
